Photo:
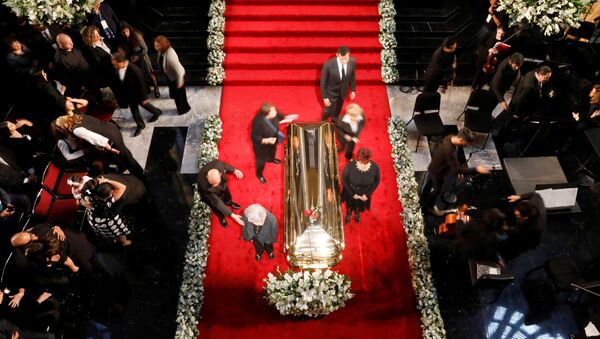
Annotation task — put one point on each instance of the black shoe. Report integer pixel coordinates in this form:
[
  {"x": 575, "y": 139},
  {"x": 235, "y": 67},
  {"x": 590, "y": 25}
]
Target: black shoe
[
  {"x": 271, "y": 255},
  {"x": 156, "y": 93},
  {"x": 277, "y": 161},
  {"x": 348, "y": 156},
  {"x": 234, "y": 205},
  {"x": 347, "y": 218},
  {"x": 223, "y": 222},
  {"x": 185, "y": 111},
  {"x": 356, "y": 216},
  {"x": 138, "y": 131},
  {"x": 262, "y": 180},
  {"x": 257, "y": 257},
  {"x": 154, "y": 117}
]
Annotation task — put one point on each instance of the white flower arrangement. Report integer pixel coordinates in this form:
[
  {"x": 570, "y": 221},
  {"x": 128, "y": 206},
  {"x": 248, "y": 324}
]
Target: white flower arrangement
[
  {"x": 551, "y": 16},
  {"x": 418, "y": 250},
  {"x": 387, "y": 28},
  {"x": 216, "y": 42},
  {"x": 62, "y": 12},
  {"x": 307, "y": 293},
  {"x": 191, "y": 293}
]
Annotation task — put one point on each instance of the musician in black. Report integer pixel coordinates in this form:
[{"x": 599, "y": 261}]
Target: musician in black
[
  {"x": 442, "y": 68},
  {"x": 507, "y": 72},
  {"x": 530, "y": 225},
  {"x": 445, "y": 163}
]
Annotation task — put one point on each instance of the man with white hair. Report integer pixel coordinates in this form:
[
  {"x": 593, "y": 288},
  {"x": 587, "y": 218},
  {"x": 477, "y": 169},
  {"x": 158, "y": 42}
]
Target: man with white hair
[
  {"x": 212, "y": 186},
  {"x": 260, "y": 227}
]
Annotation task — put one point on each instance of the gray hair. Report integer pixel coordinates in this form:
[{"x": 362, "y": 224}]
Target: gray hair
[{"x": 255, "y": 213}]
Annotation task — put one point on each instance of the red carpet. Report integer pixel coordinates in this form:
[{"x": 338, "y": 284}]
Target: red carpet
[{"x": 270, "y": 48}]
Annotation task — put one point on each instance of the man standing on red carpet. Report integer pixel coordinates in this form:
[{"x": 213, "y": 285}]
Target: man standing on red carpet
[
  {"x": 337, "y": 76},
  {"x": 212, "y": 186}
]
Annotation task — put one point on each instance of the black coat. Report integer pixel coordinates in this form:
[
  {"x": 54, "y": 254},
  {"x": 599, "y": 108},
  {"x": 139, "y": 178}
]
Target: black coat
[
  {"x": 260, "y": 130},
  {"x": 109, "y": 16},
  {"x": 343, "y": 128},
  {"x": 439, "y": 70},
  {"x": 332, "y": 86},
  {"x": 503, "y": 79},
  {"x": 213, "y": 196},
  {"x": 134, "y": 190},
  {"x": 132, "y": 90},
  {"x": 528, "y": 234},
  {"x": 11, "y": 175},
  {"x": 527, "y": 97},
  {"x": 101, "y": 63}
]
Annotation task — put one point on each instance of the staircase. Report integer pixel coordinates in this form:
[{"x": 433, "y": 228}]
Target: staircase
[
  {"x": 185, "y": 23},
  {"x": 270, "y": 42},
  {"x": 420, "y": 30}
]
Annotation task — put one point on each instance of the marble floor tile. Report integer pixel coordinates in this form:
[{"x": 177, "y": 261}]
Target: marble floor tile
[
  {"x": 204, "y": 101},
  {"x": 451, "y": 107}
]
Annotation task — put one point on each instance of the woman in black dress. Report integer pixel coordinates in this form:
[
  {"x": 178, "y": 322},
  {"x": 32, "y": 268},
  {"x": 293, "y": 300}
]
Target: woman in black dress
[
  {"x": 265, "y": 136},
  {"x": 359, "y": 180},
  {"x": 348, "y": 128}
]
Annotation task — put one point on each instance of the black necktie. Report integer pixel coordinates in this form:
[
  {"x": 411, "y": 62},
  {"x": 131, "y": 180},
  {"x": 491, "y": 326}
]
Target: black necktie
[{"x": 343, "y": 73}]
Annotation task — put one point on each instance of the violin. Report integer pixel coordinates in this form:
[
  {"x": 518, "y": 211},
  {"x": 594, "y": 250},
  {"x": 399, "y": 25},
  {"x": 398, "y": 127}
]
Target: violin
[
  {"x": 448, "y": 227},
  {"x": 492, "y": 58}
]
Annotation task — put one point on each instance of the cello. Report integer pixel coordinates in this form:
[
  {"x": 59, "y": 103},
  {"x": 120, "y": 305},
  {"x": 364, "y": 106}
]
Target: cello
[
  {"x": 491, "y": 59},
  {"x": 447, "y": 229}
]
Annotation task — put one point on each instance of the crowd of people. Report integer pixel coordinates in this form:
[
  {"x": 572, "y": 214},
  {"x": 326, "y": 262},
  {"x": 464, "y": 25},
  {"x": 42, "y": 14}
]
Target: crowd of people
[
  {"x": 69, "y": 79},
  {"x": 532, "y": 108}
]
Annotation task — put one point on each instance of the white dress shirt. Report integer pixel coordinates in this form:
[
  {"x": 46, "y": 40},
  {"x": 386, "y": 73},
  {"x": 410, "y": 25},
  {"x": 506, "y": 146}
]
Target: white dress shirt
[{"x": 340, "y": 67}]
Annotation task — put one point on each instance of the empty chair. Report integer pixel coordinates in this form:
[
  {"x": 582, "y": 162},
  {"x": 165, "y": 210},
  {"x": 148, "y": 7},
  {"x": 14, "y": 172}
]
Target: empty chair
[
  {"x": 478, "y": 113},
  {"x": 54, "y": 209},
  {"x": 426, "y": 115},
  {"x": 55, "y": 179}
]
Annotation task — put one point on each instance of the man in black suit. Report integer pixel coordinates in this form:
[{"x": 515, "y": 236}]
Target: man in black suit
[
  {"x": 530, "y": 225},
  {"x": 131, "y": 90},
  {"x": 212, "y": 186},
  {"x": 528, "y": 94},
  {"x": 442, "y": 68},
  {"x": 72, "y": 69},
  {"x": 506, "y": 73},
  {"x": 12, "y": 177},
  {"x": 337, "y": 76}
]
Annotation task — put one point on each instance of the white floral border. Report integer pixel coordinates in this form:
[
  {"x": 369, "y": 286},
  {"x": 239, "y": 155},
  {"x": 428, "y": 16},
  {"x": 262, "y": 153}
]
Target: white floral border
[
  {"x": 49, "y": 12},
  {"x": 387, "y": 28},
  {"x": 191, "y": 292},
  {"x": 432, "y": 323},
  {"x": 551, "y": 16},
  {"x": 216, "y": 42}
]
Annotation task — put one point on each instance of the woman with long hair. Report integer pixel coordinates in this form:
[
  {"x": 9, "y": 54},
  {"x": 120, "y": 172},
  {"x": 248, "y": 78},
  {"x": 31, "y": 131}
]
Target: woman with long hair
[{"x": 132, "y": 42}]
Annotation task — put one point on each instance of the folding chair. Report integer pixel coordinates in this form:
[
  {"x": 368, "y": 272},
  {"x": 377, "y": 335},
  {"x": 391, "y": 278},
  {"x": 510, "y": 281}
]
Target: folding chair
[
  {"x": 54, "y": 209},
  {"x": 478, "y": 113},
  {"x": 426, "y": 115}
]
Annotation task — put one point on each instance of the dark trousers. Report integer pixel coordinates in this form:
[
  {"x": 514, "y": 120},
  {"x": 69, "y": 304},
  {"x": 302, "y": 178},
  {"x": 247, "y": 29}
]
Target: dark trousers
[
  {"x": 430, "y": 190},
  {"x": 128, "y": 161},
  {"x": 137, "y": 116},
  {"x": 260, "y": 248},
  {"x": 349, "y": 149},
  {"x": 226, "y": 197},
  {"x": 180, "y": 97},
  {"x": 334, "y": 110}
]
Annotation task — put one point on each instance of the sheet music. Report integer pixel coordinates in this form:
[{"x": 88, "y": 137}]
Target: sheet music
[
  {"x": 591, "y": 330},
  {"x": 557, "y": 198},
  {"x": 486, "y": 269}
]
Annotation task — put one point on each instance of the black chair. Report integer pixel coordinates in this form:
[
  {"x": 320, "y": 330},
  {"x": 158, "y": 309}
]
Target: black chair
[
  {"x": 478, "y": 113},
  {"x": 566, "y": 277},
  {"x": 488, "y": 281},
  {"x": 426, "y": 115}
]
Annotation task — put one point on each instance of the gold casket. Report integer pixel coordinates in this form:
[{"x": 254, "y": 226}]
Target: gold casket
[{"x": 313, "y": 226}]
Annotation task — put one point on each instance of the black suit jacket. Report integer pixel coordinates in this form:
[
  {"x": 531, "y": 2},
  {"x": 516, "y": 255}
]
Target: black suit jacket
[
  {"x": 109, "y": 16},
  {"x": 527, "y": 96},
  {"x": 343, "y": 128},
  {"x": 213, "y": 196},
  {"x": 332, "y": 86},
  {"x": 11, "y": 175},
  {"x": 261, "y": 130},
  {"x": 503, "y": 79},
  {"x": 101, "y": 63},
  {"x": 132, "y": 90}
]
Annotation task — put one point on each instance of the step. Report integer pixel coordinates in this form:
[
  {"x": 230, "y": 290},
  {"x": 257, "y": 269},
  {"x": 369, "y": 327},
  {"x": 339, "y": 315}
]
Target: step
[
  {"x": 197, "y": 12},
  {"x": 188, "y": 44},
  {"x": 292, "y": 77},
  {"x": 300, "y": 12},
  {"x": 304, "y": 28},
  {"x": 231, "y": 3},
  {"x": 299, "y": 60},
  {"x": 187, "y": 27},
  {"x": 284, "y": 44},
  {"x": 424, "y": 14}
]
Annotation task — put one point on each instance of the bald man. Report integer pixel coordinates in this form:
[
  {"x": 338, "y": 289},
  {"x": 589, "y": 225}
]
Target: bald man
[
  {"x": 72, "y": 70},
  {"x": 212, "y": 186}
]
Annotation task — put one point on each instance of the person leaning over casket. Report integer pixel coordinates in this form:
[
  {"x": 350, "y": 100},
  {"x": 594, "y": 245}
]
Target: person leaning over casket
[{"x": 212, "y": 186}]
